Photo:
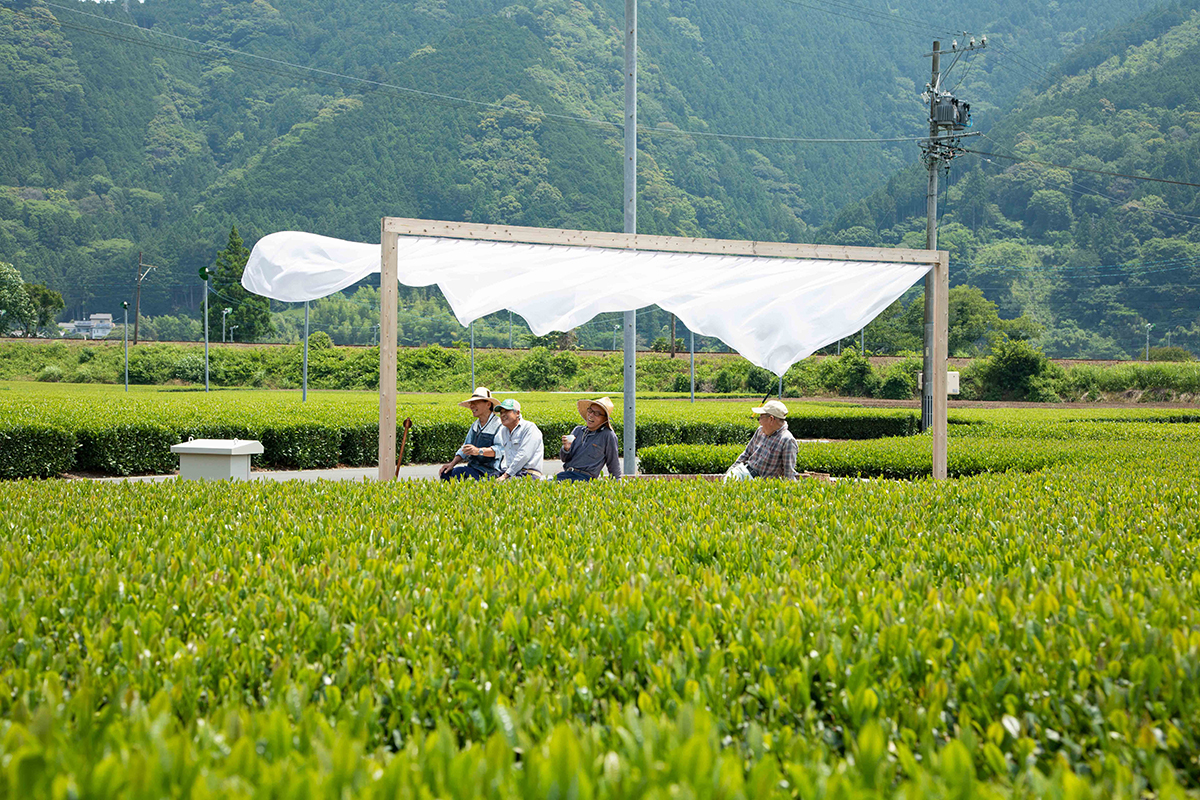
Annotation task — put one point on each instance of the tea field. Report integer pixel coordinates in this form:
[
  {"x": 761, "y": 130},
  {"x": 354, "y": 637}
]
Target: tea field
[{"x": 1025, "y": 634}]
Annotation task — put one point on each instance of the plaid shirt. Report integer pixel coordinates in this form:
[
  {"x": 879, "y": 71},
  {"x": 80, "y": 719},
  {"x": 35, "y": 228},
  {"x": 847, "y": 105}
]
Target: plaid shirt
[{"x": 771, "y": 456}]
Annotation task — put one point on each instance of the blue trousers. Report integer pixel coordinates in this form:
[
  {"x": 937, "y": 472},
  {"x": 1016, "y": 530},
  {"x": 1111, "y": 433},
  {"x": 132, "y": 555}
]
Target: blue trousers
[
  {"x": 572, "y": 476},
  {"x": 464, "y": 472}
]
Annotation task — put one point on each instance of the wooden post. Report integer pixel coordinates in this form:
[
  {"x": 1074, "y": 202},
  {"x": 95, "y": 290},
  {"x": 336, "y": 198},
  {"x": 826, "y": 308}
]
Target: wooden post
[
  {"x": 940, "y": 352},
  {"x": 389, "y": 290}
]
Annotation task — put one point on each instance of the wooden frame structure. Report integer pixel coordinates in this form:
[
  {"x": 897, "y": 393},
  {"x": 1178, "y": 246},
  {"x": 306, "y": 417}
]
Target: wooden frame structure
[{"x": 392, "y": 228}]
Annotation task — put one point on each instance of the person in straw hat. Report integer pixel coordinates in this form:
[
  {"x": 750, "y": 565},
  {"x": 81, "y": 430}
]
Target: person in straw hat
[
  {"x": 521, "y": 442},
  {"x": 591, "y": 446},
  {"x": 480, "y": 455},
  {"x": 772, "y": 449}
]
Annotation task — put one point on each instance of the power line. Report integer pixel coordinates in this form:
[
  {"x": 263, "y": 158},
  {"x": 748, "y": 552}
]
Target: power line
[
  {"x": 1082, "y": 169},
  {"x": 329, "y": 75}
]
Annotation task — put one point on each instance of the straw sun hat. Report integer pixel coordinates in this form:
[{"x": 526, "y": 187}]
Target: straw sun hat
[
  {"x": 603, "y": 402},
  {"x": 481, "y": 393}
]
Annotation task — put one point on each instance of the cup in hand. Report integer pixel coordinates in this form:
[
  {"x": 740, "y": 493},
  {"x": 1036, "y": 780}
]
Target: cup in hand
[{"x": 568, "y": 440}]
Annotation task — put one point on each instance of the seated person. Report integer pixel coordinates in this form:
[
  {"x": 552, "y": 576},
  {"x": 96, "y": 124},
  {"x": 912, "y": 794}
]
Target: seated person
[
  {"x": 521, "y": 442},
  {"x": 592, "y": 446},
  {"x": 480, "y": 455},
  {"x": 772, "y": 449}
]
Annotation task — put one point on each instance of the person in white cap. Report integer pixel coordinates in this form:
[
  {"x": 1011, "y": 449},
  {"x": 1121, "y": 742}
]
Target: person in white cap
[
  {"x": 480, "y": 455},
  {"x": 772, "y": 449},
  {"x": 521, "y": 442}
]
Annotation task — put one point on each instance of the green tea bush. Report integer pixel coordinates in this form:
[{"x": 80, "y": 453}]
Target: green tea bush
[
  {"x": 133, "y": 448},
  {"x": 35, "y": 451},
  {"x": 1007, "y": 635},
  {"x": 51, "y": 373},
  {"x": 303, "y": 445},
  {"x": 906, "y": 458}
]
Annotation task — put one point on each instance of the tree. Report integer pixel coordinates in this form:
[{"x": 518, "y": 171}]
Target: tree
[
  {"x": 251, "y": 315},
  {"x": 47, "y": 304},
  {"x": 15, "y": 306}
]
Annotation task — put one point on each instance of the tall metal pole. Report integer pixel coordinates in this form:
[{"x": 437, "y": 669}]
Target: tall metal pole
[
  {"x": 205, "y": 333},
  {"x": 780, "y": 387},
  {"x": 304, "y": 373},
  {"x": 509, "y": 334},
  {"x": 693, "y": 333},
  {"x": 472, "y": 356},
  {"x": 930, "y": 244},
  {"x": 125, "y": 305},
  {"x": 630, "y": 385}
]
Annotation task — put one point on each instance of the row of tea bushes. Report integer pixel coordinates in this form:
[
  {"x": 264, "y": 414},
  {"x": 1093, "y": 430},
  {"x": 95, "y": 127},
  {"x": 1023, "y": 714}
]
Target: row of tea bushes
[
  {"x": 124, "y": 434},
  {"x": 998, "y": 636},
  {"x": 906, "y": 458}
]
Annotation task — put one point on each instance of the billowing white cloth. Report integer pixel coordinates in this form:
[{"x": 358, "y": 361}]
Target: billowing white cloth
[{"x": 774, "y": 311}]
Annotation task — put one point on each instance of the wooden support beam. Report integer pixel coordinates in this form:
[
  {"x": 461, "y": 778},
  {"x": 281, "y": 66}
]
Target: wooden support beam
[
  {"x": 394, "y": 227},
  {"x": 941, "y": 346},
  {"x": 389, "y": 290},
  {"x": 675, "y": 244}
]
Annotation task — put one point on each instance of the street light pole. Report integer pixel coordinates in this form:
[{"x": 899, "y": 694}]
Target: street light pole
[
  {"x": 224, "y": 313},
  {"x": 1148, "y": 327},
  {"x": 125, "y": 306}
]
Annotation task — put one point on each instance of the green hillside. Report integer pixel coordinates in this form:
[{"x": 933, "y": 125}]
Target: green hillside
[
  {"x": 157, "y": 129},
  {"x": 1092, "y": 257}
]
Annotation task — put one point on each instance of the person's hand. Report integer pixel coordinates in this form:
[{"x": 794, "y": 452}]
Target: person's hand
[
  {"x": 445, "y": 468},
  {"x": 470, "y": 450},
  {"x": 503, "y": 477},
  {"x": 567, "y": 443}
]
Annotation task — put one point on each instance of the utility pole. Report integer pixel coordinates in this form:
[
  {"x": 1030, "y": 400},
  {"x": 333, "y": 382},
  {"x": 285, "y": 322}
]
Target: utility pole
[
  {"x": 630, "y": 373},
  {"x": 304, "y": 368},
  {"x": 204, "y": 275},
  {"x": 224, "y": 313},
  {"x": 693, "y": 341},
  {"x": 1148, "y": 327},
  {"x": 509, "y": 335},
  {"x": 137, "y": 297},
  {"x": 945, "y": 111},
  {"x": 672, "y": 336}
]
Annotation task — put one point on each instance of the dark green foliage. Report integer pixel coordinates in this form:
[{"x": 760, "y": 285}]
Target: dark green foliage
[
  {"x": 1170, "y": 354},
  {"x": 35, "y": 451},
  {"x": 127, "y": 449},
  {"x": 885, "y": 458},
  {"x": 302, "y": 446},
  {"x": 1016, "y": 370},
  {"x": 250, "y": 318}
]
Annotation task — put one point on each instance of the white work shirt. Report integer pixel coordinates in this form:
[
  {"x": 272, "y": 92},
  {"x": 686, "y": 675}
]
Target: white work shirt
[{"x": 522, "y": 447}]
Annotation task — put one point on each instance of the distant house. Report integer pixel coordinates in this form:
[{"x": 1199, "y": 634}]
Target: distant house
[{"x": 96, "y": 326}]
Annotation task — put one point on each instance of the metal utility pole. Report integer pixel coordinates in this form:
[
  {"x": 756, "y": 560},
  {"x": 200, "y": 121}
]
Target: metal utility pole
[
  {"x": 630, "y": 383},
  {"x": 125, "y": 306},
  {"x": 472, "y": 357},
  {"x": 693, "y": 334},
  {"x": 509, "y": 334},
  {"x": 304, "y": 376},
  {"x": 224, "y": 313},
  {"x": 137, "y": 296},
  {"x": 204, "y": 274},
  {"x": 945, "y": 112},
  {"x": 1148, "y": 327}
]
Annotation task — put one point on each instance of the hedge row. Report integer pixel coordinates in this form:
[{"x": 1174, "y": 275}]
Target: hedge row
[
  {"x": 906, "y": 458},
  {"x": 118, "y": 447},
  {"x": 35, "y": 451}
]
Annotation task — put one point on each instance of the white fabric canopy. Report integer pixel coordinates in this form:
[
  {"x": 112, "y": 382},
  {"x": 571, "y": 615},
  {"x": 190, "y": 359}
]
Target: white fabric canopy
[{"x": 774, "y": 311}]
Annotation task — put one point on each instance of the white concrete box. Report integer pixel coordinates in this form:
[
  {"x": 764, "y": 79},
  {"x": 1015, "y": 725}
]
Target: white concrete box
[
  {"x": 216, "y": 459},
  {"x": 951, "y": 382}
]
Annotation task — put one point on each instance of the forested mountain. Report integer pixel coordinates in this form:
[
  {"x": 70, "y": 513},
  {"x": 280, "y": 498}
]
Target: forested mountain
[
  {"x": 156, "y": 127},
  {"x": 1092, "y": 256}
]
